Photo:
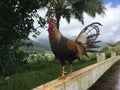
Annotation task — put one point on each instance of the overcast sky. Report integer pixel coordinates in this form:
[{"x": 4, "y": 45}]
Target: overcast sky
[{"x": 110, "y": 31}]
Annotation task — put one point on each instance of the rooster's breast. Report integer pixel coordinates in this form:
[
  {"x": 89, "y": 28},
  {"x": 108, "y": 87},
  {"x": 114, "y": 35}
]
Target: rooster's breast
[{"x": 63, "y": 48}]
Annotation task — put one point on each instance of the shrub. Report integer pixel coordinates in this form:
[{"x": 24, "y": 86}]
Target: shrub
[{"x": 10, "y": 60}]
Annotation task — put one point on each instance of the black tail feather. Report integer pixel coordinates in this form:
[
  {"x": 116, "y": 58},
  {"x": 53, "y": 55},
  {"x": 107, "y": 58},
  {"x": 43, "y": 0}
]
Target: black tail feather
[
  {"x": 86, "y": 55},
  {"x": 92, "y": 51},
  {"x": 96, "y": 41}
]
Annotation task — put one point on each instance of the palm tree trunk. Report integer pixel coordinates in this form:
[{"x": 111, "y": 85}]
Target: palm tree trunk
[{"x": 58, "y": 20}]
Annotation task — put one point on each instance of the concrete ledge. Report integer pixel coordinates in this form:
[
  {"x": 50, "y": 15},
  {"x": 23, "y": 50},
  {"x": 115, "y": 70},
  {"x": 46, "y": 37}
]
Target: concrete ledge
[{"x": 81, "y": 79}]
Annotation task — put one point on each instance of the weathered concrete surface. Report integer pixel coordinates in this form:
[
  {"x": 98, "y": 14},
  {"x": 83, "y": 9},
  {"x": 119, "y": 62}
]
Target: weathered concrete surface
[
  {"x": 101, "y": 57},
  {"x": 118, "y": 84},
  {"x": 81, "y": 79},
  {"x": 113, "y": 54}
]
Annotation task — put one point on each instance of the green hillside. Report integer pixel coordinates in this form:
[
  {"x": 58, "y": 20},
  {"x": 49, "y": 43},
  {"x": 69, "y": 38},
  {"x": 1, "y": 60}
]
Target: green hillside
[
  {"x": 112, "y": 47},
  {"x": 36, "y": 47}
]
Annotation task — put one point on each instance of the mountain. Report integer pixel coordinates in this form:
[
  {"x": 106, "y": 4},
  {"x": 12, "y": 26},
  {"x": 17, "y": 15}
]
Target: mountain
[
  {"x": 38, "y": 46},
  {"x": 43, "y": 41},
  {"x": 102, "y": 45}
]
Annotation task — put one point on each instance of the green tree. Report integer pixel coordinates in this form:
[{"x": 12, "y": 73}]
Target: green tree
[
  {"x": 16, "y": 22},
  {"x": 74, "y": 8}
]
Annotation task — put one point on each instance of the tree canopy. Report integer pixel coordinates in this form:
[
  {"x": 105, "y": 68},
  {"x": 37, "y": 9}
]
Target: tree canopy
[{"x": 74, "y": 8}]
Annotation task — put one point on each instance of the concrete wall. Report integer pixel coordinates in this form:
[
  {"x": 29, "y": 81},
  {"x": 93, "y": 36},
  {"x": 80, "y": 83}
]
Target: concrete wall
[
  {"x": 81, "y": 79},
  {"x": 100, "y": 57}
]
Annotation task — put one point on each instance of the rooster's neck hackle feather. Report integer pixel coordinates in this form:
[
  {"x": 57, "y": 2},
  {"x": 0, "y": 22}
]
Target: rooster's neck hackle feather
[
  {"x": 51, "y": 25},
  {"x": 53, "y": 30}
]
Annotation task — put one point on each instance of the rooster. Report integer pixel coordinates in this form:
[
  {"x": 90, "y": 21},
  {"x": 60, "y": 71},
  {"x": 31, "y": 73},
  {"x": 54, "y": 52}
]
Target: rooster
[{"x": 66, "y": 49}]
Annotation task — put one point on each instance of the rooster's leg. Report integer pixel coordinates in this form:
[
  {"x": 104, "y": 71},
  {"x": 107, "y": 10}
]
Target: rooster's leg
[
  {"x": 70, "y": 70},
  {"x": 63, "y": 73}
]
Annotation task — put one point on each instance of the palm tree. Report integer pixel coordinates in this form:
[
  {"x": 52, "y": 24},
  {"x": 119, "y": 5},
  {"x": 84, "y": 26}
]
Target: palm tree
[{"x": 74, "y": 8}]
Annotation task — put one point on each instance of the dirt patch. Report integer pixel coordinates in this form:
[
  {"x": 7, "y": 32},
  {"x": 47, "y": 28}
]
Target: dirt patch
[{"x": 109, "y": 80}]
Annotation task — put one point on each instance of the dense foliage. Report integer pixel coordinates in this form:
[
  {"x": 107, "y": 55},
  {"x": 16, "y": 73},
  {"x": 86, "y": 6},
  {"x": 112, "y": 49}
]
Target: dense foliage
[{"x": 16, "y": 22}]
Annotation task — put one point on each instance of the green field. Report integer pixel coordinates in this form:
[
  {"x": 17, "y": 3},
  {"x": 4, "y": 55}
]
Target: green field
[{"x": 40, "y": 69}]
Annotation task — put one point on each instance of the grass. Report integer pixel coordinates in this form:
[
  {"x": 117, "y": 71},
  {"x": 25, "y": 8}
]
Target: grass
[{"x": 39, "y": 70}]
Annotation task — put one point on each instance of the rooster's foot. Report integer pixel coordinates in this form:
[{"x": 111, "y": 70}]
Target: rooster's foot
[
  {"x": 62, "y": 77},
  {"x": 68, "y": 73}
]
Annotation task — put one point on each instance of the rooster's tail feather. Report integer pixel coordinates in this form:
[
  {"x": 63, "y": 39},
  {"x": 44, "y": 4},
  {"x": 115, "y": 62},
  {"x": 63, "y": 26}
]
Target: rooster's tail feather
[{"x": 89, "y": 35}]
